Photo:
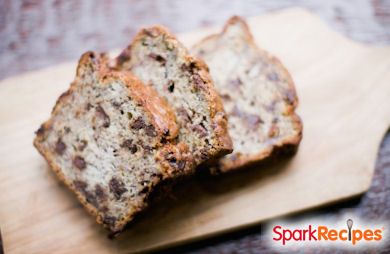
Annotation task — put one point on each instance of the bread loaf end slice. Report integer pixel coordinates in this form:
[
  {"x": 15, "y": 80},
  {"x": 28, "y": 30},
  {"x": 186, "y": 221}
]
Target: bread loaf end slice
[
  {"x": 258, "y": 94},
  {"x": 109, "y": 140},
  {"x": 157, "y": 58}
]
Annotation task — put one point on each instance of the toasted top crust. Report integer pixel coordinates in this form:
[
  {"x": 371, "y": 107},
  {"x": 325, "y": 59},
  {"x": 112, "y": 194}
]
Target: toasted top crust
[
  {"x": 258, "y": 93},
  {"x": 220, "y": 142},
  {"x": 162, "y": 115}
]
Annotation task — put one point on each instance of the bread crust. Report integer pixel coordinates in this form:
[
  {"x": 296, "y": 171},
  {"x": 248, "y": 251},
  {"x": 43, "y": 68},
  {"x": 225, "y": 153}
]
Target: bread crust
[
  {"x": 286, "y": 146},
  {"x": 222, "y": 144},
  {"x": 164, "y": 120}
]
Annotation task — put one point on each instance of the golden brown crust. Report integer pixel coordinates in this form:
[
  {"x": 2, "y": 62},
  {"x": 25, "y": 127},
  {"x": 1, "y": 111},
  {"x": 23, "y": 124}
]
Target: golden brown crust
[
  {"x": 218, "y": 115},
  {"x": 286, "y": 147},
  {"x": 289, "y": 143},
  {"x": 139, "y": 93},
  {"x": 162, "y": 115},
  {"x": 160, "y": 112},
  {"x": 222, "y": 143}
]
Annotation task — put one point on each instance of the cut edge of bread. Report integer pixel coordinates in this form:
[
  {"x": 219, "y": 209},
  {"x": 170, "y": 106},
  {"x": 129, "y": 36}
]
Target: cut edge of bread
[{"x": 287, "y": 145}]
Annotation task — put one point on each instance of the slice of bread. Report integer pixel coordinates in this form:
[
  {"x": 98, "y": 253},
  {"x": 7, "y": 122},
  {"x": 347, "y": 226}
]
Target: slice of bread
[
  {"x": 159, "y": 60},
  {"x": 109, "y": 140},
  {"x": 258, "y": 94}
]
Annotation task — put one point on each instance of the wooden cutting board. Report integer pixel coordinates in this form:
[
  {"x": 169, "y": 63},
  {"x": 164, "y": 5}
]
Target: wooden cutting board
[{"x": 344, "y": 91}]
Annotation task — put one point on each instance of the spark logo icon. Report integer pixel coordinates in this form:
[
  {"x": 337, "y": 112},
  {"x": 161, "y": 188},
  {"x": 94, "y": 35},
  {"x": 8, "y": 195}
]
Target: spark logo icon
[{"x": 349, "y": 225}]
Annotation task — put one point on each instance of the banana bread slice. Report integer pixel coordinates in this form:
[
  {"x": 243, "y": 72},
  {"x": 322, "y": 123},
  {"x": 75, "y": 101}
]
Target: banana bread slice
[
  {"x": 109, "y": 140},
  {"x": 157, "y": 58},
  {"x": 258, "y": 94}
]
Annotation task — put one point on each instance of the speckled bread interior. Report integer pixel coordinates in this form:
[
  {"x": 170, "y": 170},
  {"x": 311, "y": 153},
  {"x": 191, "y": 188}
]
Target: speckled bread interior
[
  {"x": 109, "y": 139},
  {"x": 159, "y": 60},
  {"x": 258, "y": 95}
]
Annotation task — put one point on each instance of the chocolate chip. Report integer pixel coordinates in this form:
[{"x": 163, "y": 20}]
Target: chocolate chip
[
  {"x": 67, "y": 129},
  {"x": 128, "y": 143},
  {"x": 83, "y": 145},
  {"x": 272, "y": 76},
  {"x": 80, "y": 185},
  {"x": 203, "y": 154},
  {"x": 236, "y": 111},
  {"x": 188, "y": 67},
  {"x": 200, "y": 129},
  {"x": 90, "y": 198},
  {"x": 197, "y": 80},
  {"x": 150, "y": 131},
  {"x": 226, "y": 97},
  {"x": 104, "y": 209},
  {"x": 123, "y": 57},
  {"x": 147, "y": 149},
  {"x": 89, "y": 106},
  {"x": 117, "y": 188},
  {"x": 144, "y": 190},
  {"x": 116, "y": 104},
  {"x": 99, "y": 192},
  {"x": 166, "y": 132},
  {"x": 103, "y": 115},
  {"x": 40, "y": 131},
  {"x": 235, "y": 82},
  {"x": 133, "y": 148},
  {"x": 79, "y": 162},
  {"x": 170, "y": 157},
  {"x": 290, "y": 96},
  {"x": 184, "y": 67},
  {"x": 181, "y": 164},
  {"x": 253, "y": 121},
  {"x": 60, "y": 147},
  {"x": 271, "y": 107},
  {"x": 138, "y": 124},
  {"x": 171, "y": 86},
  {"x": 109, "y": 220},
  {"x": 182, "y": 112},
  {"x": 193, "y": 66},
  {"x": 234, "y": 157},
  {"x": 158, "y": 58}
]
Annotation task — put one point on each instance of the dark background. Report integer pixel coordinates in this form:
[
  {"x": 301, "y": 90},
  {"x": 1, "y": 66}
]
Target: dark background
[{"x": 36, "y": 34}]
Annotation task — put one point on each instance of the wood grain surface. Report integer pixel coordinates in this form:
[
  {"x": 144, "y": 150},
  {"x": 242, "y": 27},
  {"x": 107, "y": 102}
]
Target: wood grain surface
[{"x": 39, "y": 33}]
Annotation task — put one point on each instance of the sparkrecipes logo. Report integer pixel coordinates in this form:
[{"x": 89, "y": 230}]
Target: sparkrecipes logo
[{"x": 347, "y": 234}]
